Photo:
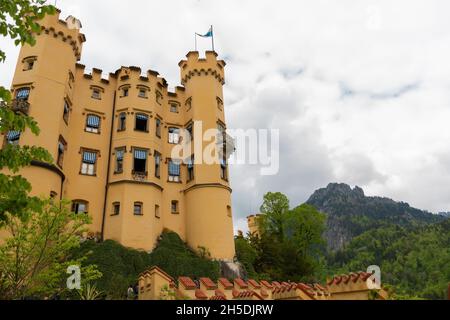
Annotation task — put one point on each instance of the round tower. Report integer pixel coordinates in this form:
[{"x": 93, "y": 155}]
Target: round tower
[
  {"x": 209, "y": 222},
  {"x": 43, "y": 88}
]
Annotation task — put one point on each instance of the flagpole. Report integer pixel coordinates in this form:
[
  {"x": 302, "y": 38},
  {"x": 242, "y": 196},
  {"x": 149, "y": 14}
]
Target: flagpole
[
  {"x": 195, "y": 36},
  {"x": 212, "y": 37}
]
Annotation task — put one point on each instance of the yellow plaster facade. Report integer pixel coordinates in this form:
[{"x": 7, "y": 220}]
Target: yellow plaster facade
[
  {"x": 112, "y": 138},
  {"x": 353, "y": 286}
]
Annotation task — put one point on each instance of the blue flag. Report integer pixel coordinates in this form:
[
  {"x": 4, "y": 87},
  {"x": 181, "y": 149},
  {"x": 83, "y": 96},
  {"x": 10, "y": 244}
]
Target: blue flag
[{"x": 208, "y": 34}]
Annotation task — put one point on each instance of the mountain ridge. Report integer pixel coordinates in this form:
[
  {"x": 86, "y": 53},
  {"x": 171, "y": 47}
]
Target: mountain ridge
[{"x": 350, "y": 213}]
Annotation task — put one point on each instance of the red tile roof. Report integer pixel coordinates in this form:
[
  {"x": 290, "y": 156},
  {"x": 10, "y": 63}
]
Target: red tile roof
[
  {"x": 156, "y": 268},
  {"x": 208, "y": 283},
  {"x": 266, "y": 284},
  {"x": 306, "y": 289},
  {"x": 249, "y": 294},
  {"x": 220, "y": 293},
  {"x": 227, "y": 284},
  {"x": 235, "y": 293},
  {"x": 217, "y": 298},
  {"x": 264, "y": 293},
  {"x": 241, "y": 283},
  {"x": 199, "y": 294},
  {"x": 276, "y": 284},
  {"x": 254, "y": 284},
  {"x": 365, "y": 275},
  {"x": 187, "y": 282}
]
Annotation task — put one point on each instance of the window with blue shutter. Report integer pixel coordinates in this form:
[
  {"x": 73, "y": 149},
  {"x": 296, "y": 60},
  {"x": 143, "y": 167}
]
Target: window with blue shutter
[
  {"x": 141, "y": 122},
  {"x": 140, "y": 161},
  {"x": 174, "y": 171},
  {"x": 92, "y": 123},
  {"x": 12, "y": 137},
  {"x": 89, "y": 157},
  {"x": 23, "y": 94},
  {"x": 88, "y": 165}
]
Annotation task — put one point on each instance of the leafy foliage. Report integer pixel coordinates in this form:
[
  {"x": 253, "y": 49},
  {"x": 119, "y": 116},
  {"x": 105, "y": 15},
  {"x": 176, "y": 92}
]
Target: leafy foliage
[
  {"x": 18, "y": 20},
  {"x": 121, "y": 266},
  {"x": 290, "y": 244},
  {"x": 415, "y": 261},
  {"x": 34, "y": 258}
]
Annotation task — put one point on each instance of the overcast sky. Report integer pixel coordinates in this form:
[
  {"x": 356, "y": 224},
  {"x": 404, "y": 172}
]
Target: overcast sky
[{"x": 360, "y": 90}]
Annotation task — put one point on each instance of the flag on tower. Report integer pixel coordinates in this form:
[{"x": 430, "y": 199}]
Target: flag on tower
[{"x": 208, "y": 34}]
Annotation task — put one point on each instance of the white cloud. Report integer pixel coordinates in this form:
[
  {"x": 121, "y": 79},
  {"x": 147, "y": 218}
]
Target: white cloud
[{"x": 359, "y": 89}]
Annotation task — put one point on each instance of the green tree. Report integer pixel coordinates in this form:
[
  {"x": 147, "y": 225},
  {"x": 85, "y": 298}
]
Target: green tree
[
  {"x": 290, "y": 246},
  {"x": 246, "y": 254},
  {"x": 274, "y": 207},
  {"x": 35, "y": 257},
  {"x": 18, "y": 21}
]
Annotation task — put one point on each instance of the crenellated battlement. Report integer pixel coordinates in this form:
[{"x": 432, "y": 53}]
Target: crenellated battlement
[
  {"x": 196, "y": 66},
  {"x": 153, "y": 280},
  {"x": 68, "y": 31}
]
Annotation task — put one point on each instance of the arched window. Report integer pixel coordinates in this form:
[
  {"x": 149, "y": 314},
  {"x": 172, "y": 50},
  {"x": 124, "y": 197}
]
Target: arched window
[{"x": 79, "y": 206}]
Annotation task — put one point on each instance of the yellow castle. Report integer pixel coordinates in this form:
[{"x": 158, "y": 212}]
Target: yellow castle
[{"x": 112, "y": 139}]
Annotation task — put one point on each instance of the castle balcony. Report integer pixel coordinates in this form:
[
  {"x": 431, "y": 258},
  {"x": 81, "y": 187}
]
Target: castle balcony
[
  {"x": 139, "y": 176},
  {"x": 20, "y": 106}
]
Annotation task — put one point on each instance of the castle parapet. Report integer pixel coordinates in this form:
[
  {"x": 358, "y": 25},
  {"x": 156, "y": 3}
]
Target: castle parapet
[{"x": 196, "y": 66}]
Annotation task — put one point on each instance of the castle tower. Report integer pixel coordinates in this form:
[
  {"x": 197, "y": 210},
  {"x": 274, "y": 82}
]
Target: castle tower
[
  {"x": 43, "y": 88},
  {"x": 208, "y": 205},
  {"x": 112, "y": 140}
]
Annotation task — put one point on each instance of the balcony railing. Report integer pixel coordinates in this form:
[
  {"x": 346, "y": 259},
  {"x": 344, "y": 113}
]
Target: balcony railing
[
  {"x": 21, "y": 106},
  {"x": 139, "y": 176}
]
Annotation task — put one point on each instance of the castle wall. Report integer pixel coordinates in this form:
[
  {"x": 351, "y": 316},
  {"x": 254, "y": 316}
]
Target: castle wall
[{"x": 203, "y": 207}]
